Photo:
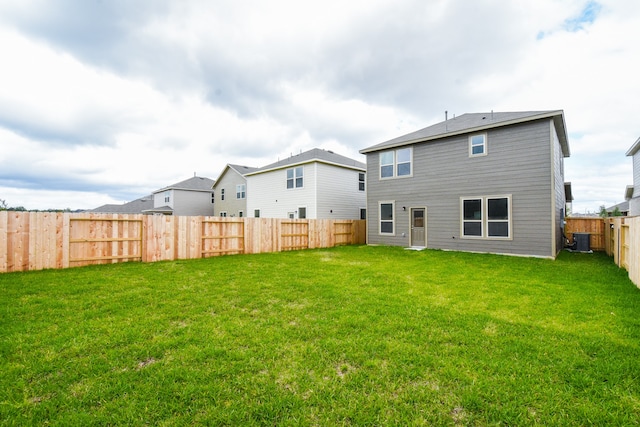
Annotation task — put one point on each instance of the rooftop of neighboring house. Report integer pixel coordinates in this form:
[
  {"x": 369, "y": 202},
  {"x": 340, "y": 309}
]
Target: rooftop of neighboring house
[
  {"x": 476, "y": 122},
  {"x": 132, "y": 207},
  {"x": 634, "y": 148},
  {"x": 240, "y": 169},
  {"x": 313, "y": 155},
  {"x": 196, "y": 183}
]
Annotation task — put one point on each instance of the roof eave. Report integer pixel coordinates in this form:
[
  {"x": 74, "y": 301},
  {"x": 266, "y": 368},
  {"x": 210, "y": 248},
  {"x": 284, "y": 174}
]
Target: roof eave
[
  {"x": 634, "y": 148},
  {"x": 304, "y": 162},
  {"x": 556, "y": 115}
]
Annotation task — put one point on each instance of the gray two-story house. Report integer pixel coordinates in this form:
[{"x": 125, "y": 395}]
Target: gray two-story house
[{"x": 482, "y": 182}]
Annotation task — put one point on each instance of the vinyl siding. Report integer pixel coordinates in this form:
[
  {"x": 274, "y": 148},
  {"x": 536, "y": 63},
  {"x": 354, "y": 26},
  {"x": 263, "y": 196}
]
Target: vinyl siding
[
  {"x": 231, "y": 205},
  {"x": 192, "y": 202},
  {"x": 338, "y": 194},
  {"x": 558, "y": 187},
  {"x": 269, "y": 193},
  {"x": 634, "y": 203},
  {"x": 518, "y": 164}
]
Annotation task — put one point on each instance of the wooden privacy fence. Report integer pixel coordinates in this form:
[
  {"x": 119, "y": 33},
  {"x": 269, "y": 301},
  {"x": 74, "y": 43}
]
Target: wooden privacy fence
[
  {"x": 622, "y": 235},
  {"x": 39, "y": 240},
  {"x": 619, "y": 237},
  {"x": 593, "y": 226}
]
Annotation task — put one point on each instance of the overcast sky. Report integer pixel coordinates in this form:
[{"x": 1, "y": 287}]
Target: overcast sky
[{"x": 104, "y": 101}]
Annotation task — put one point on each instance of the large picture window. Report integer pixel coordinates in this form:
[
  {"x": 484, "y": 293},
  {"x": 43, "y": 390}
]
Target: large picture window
[
  {"x": 396, "y": 163},
  {"x": 386, "y": 218},
  {"x": 486, "y": 217},
  {"x": 295, "y": 177}
]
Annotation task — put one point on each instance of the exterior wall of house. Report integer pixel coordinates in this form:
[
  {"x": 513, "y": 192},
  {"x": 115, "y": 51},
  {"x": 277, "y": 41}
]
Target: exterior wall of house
[
  {"x": 558, "y": 192},
  {"x": 634, "y": 203},
  {"x": 231, "y": 204},
  {"x": 159, "y": 199},
  {"x": 339, "y": 196},
  {"x": 269, "y": 194},
  {"x": 187, "y": 202},
  {"x": 518, "y": 164}
]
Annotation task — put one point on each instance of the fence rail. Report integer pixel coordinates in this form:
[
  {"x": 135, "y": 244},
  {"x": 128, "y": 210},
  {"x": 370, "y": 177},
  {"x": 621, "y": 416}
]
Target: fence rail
[{"x": 40, "y": 240}]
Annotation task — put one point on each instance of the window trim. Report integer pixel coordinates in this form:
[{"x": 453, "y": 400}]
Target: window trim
[
  {"x": 393, "y": 217},
  {"x": 222, "y": 214},
  {"x": 305, "y": 212},
  {"x": 361, "y": 181},
  {"x": 395, "y": 163},
  {"x": 485, "y": 145},
  {"x": 256, "y": 213},
  {"x": 484, "y": 220},
  {"x": 222, "y": 194},
  {"x": 241, "y": 191}
]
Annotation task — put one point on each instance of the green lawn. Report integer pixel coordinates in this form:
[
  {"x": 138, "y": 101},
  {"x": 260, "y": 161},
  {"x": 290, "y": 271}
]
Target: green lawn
[{"x": 347, "y": 336}]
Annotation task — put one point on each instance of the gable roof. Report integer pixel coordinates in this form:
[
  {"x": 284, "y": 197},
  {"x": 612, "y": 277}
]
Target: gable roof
[
  {"x": 239, "y": 169},
  {"x": 313, "y": 155},
  {"x": 634, "y": 148},
  {"x": 196, "y": 183},
  {"x": 132, "y": 207},
  {"x": 476, "y": 122}
]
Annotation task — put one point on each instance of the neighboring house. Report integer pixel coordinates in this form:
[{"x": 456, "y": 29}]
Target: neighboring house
[
  {"x": 489, "y": 182},
  {"x": 621, "y": 209},
  {"x": 231, "y": 191},
  {"x": 632, "y": 193},
  {"x": 191, "y": 197},
  {"x": 316, "y": 184},
  {"x": 134, "y": 207}
]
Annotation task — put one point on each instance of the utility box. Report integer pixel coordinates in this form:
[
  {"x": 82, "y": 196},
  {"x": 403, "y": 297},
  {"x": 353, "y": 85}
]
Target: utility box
[{"x": 582, "y": 242}]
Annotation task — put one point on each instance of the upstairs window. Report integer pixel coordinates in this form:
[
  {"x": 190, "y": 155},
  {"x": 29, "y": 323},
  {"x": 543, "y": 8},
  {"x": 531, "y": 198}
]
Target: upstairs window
[
  {"x": 167, "y": 196},
  {"x": 241, "y": 191},
  {"x": 361, "y": 181},
  {"x": 222, "y": 194},
  {"x": 295, "y": 177},
  {"x": 478, "y": 145},
  {"x": 396, "y": 163}
]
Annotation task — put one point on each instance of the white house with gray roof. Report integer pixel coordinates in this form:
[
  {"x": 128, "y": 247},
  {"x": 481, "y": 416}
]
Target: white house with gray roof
[
  {"x": 191, "y": 197},
  {"x": 482, "y": 182},
  {"x": 633, "y": 191},
  {"x": 316, "y": 184}
]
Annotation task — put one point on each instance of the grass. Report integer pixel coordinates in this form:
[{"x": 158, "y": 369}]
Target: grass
[{"x": 348, "y": 336}]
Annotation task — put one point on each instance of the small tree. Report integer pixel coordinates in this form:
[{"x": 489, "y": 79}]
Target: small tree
[
  {"x": 603, "y": 212},
  {"x": 616, "y": 212}
]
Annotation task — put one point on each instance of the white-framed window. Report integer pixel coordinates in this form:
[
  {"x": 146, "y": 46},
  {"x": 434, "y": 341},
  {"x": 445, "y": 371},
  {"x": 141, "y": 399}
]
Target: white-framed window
[
  {"x": 486, "y": 217},
  {"x": 478, "y": 145},
  {"x": 167, "y": 196},
  {"x": 223, "y": 213},
  {"x": 213, "y": 198},
  {"x": 302, "y": 212},
  {"x": 361, "y": 181},
  {"x": 295, "y": 177},
  {"x": 241, "y": 214},
  {"x": 291, "y": 215},
  {"x": 256, "y": 213},
  {"x": 222, "y": 194},
  {"x": 386, "y": 215},
  {"x": 396, "y": 163},
  {"x": 363, "y": 213},
  {"x": 241, "y": 191}
]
